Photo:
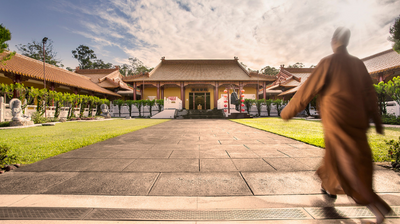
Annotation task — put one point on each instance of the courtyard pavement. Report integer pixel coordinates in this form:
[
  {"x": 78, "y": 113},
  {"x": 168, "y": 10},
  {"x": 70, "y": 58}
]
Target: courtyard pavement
[{"x": 186, "y": 165}]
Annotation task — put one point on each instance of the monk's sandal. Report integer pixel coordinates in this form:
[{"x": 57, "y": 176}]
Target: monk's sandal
[{"x": 328, "y": 194}]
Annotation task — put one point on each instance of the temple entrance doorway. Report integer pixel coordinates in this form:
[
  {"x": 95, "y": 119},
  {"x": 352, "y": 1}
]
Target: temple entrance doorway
[{"x": 199, "y": 101}]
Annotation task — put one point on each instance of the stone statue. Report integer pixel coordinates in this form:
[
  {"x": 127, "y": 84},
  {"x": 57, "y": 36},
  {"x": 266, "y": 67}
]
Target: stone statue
[
  {"x": 16, "y": 111},
  {"x": 104, "y": 111}
]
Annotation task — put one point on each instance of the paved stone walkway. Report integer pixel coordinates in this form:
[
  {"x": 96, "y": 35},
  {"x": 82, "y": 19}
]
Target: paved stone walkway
[{"x": 188, "y": 158}]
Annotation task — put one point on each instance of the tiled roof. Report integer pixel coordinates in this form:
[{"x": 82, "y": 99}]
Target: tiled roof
[
  {"x": 108, "y": 84},
  {"x": 94, "y": 77},
  {"x": 106, "y": 78},
  {"x": 199, "y": 70},
  {"x": 382, "y": 61},
  {"x": 32, "y": 68},
  {"x": 303, "y": 77}
]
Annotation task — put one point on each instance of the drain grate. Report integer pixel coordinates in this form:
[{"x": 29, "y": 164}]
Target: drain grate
[
  {"x": 128, "y": 214},
  {"x": 347, "y": 212},
  {"x": 18, "y": 213},
  {"x": 43, "y": 213}
]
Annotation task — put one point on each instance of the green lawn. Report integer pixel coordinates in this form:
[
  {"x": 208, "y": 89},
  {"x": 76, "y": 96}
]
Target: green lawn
[
  {"x": 311, "y": 132},
  {"x": 38, "y": 143}
]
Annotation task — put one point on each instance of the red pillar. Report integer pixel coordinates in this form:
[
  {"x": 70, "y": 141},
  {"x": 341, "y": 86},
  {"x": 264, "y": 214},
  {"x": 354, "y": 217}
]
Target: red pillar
[
  {"x": 52, "y": 89},
  {"x": 257, "y": 90},
  {"x": 240, "y": 97},
  {"x": 134, "y": 90},
  {"x": 158, "y": 90},
  {"x": 162, "y": 92},
  {"x": 264, "y": 91},
  {"x": 216, "y": 95},
  {"x": 183, "y": 95},
  {"x": 17, "y": 79},
  {"x": 141, "y": 92}
]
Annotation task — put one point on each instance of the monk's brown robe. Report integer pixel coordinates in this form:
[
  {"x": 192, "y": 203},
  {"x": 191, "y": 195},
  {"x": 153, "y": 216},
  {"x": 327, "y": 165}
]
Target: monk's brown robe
[{"x": 347, "y": 100}]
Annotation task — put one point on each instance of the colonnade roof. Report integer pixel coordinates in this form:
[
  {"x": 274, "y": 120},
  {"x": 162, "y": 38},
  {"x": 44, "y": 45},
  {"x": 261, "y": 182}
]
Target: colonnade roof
[
  {"x": 383, "y": 61},
  {"x": 31, "y": 68},
  {"x": 200, "y": 70}
]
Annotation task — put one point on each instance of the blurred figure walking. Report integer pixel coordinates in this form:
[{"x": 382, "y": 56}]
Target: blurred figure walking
[{"x": 347, "y": 101}]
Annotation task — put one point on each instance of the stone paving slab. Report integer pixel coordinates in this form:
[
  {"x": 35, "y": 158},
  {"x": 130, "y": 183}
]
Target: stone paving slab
[
  {"x": 31, "y": 182},
  {"x": 128, "y": 147},
  {"x": 269, "y": 153},
  {"x": 164, "y": 165},
  {"x": 42, "y": 166},
  {"x": 241, "y": 154},
  {"x": 95, "y": 183},
  {"x": 191, "y": 154},
  {"x": 283, "y": 182},
  {"x": 217, "y": 165},
  {"x": 210, "y": 154},
  {"x": 200, "y": 184},
  {"x": 252, "y": 165},
  {"x": 286, "y": 164}
]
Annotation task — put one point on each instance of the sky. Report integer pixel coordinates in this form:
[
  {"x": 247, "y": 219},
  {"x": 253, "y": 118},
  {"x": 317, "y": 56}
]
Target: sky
[{"x": 258, "y": 32}]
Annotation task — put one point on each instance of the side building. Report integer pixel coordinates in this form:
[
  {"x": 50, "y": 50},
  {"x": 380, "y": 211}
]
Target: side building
[
  {"x": 287, "y": 82},
  {"x": 198, "y": 82},
  {"x": 31, "y": 72},
  {"x": 110, "y": 79},
  {"x": 383, "y": 66}
]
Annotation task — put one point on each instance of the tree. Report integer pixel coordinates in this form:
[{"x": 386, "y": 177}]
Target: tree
[
  {"x": 88, "y": 59},
  {"x": 297, "y": 65},
  {"x": 84, "y": 55},
  {"x": 35, "y": 50},
  {"x": 248, "y": 103},
  {"x": 5, "y": 35},
  {"x": 99, "y": 64},
  {"x": 269, "y": 103},
  {"x": 268, "y": 70},
  {"x": 279, "y": 104},
  {"x": 393, "y": 89},
  {"x": 395, "y": 35},
  {"x": 259, "y": 103},
  {"x": 381, "y": 92},
  {"x": 136, "y": 67}
]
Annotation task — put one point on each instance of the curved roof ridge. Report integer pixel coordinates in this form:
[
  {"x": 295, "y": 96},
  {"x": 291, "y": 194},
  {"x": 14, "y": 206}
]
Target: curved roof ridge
[
  {"x": 377, "y": 54},
  {"x": 49, "y": 65}
]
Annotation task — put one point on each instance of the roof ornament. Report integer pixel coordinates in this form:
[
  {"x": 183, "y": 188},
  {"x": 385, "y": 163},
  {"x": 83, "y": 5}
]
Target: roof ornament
[
  {"x": 236, "y": 58},
  {"x": 163, "y": 58}
]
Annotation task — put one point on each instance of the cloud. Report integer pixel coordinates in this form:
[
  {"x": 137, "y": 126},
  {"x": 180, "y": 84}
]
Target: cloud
[{"x": 258, "y": 32}]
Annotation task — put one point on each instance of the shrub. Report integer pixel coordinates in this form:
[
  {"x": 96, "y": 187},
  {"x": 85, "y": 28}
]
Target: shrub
[
  {"x": 394, "y": 149},
  {"x": 53, "y": 119},
  {"x": 5, "y": 158},
  {"x": 37, "y": 118},
  {"x": 279, "y": 104},
  {"x": 390, "y": 119},
  {"x": 5, "y": 124}
]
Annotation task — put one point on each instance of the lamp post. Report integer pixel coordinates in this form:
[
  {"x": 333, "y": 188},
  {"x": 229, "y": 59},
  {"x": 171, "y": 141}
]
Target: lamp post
[{"x": 44, "y": 70}]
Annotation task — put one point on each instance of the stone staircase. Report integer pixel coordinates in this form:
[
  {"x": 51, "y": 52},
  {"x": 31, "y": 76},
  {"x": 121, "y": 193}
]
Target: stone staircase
[{"x": 204, "y": 114}]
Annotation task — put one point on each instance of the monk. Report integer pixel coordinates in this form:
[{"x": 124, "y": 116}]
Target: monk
[{"x": 347, "y": 102}]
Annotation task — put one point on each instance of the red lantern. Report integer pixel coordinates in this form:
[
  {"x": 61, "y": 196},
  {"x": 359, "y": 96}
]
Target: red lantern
[
  {"x": 242, "y": 90},
  {"x": 225, "y": 105},
  {"x": 242, "y": 105},
  {"x": 242, "y": 100},
  {"x": 225, "y": 91},
  {"x": 225, "y": 110},
  {"x": 242, "y": 95},
  {"x": 242, "y": 110},
  {"x": 225, "y": 95},
  {"x": 225, "y": 101}
]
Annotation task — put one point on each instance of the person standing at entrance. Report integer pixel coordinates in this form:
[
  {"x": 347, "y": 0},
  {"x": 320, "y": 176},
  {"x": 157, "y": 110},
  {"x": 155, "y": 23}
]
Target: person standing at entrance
[{"x": 347, "y": 101}]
